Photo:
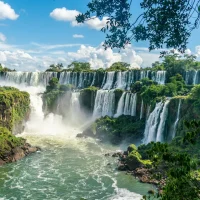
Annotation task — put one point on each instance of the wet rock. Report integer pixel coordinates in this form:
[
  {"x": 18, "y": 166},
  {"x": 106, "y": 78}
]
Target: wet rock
[
  {"x": 107, "y": 154},
  {"x": 117, "y": 154},
  {"x": 32, "y": 149},
  {"x": 18, "y": 153},
  {"x": 108, "y": 164},
  {"x": 80, "y": 135},
  {"x": 151, "y": 192},
  {"x": 122, "y": 167}
]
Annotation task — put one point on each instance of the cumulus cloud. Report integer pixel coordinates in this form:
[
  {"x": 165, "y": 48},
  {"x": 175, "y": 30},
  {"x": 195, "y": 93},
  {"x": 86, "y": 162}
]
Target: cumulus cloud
[
  {"x": 63, "y": 14},
  {"x": 78, "y": 36},
  {"x": 6, "y": 12},
  {"x": 197, "y": 48},
  {"x": 2, "y": 37},
  {"x": 23, "y": 61},
  {"x": 98, "y": 57},
  {"x": 188, "y": 52}
]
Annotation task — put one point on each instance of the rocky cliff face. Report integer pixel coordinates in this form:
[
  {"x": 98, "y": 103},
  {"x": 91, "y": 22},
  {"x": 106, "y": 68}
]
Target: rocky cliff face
[{"x": 14, "y": 108}]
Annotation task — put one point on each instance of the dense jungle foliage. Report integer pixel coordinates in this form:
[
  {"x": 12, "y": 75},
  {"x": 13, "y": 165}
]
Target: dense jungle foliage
[{"x": 14, "y": 107}]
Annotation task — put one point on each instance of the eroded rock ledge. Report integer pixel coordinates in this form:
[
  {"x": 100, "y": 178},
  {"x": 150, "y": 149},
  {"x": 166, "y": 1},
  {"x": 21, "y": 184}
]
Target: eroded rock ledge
[{"x": 17, "y": 153}]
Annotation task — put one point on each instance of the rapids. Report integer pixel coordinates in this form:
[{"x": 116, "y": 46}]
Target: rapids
[{"x": 67, "y": 167}]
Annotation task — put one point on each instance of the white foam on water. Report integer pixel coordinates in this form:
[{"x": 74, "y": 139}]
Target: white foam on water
[{"x": 124, "y": 194}]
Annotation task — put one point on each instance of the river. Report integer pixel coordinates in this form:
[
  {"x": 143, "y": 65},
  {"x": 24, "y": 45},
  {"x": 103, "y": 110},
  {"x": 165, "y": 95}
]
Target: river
[{"x": 67, "y": 167}]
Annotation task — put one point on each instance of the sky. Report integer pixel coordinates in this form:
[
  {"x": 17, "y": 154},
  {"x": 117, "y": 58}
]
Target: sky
[{"x": 37, "y": 33}]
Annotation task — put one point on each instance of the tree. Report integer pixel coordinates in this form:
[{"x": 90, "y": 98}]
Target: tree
[
  {"x": 180, "y": 159},
  {"x": 119, "y": 66},
  {"x": 164, "y": 23},
  {"x": 59, "y": 66},
  {"x": 79, "y": 66},
  {"x": 53, "y": 84}
]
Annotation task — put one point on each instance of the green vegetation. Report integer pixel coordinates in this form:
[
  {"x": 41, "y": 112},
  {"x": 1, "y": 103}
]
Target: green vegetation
[
  {"x": 5, "y": 69},
  {"x": 179, "y": 162},
  {"x": 14, "y": 106},
  {"x": 134, "y": 159},
  {"x": 54, "y": 92},
  {"x": 119, "y": 66},
  {"x": 87, "y": 98},
  {"x": 8, "y": 141},
  {"x": 164, "y": 24},
  {"x": 174, "y": 63},
  {"x": 55, "y": 68},
  {"x": 79, "y": 66},
  {"x": 151, "y": 92},
  {"x": 117, "y": 129}
]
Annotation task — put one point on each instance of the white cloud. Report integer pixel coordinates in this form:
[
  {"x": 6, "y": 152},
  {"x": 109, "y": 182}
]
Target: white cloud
[
  {"x": 6, "y": 12},
  {"x": 188, "y": 52},
  {"x": 78, "y": 36},
  {"x": 96, "y": 23},
  {"x": 55, "y": 46},
  {"x": 63, "y": 14},
  {"x": 98, "y": 57},
  {"x": 2, "y": 37},
  {"x": 28, "y": 60},
  {"x": 149, "y": 58},
  {"x": 197, "y": 48}
]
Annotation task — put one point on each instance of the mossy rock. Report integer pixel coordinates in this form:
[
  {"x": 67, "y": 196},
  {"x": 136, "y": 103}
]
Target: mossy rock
[
  {"x": 14, "y": 107},
  {"x": 8, "y": 142},
  {"x": 132, "y": 147},
  {"x": 134, "y": 159}
]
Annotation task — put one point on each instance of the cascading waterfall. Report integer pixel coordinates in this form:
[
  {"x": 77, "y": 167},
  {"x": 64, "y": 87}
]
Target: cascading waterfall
[
  {"x": 195, "y": 77},
  {"x": 141, "y": 109},
  {"x": 127, "y": 104},
  {"x": 161, "y": 127},
  {"x": 28, "y": 78},
  {"x": 152, "y": 124},
  {"x": 104, "y": 103},
  {"x": 155, "y": 123},
  {"x": 121, "y": 82},
  {"x": 120, "y": 107},
  {"x": 93, "y": 79},
  {"x": 177, "y": 119},
  {"x": 133, "y": 104},
  {"x": 109, "y": 81},
  {"x": 159, "y": 77}
]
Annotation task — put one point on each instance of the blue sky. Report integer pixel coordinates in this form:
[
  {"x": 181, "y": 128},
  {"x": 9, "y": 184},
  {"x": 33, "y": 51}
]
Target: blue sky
[{"x": 36, "y": 33}]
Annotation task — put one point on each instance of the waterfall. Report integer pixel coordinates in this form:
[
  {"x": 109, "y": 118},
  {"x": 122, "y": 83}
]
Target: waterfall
[
  {"x": 159, "y": 77},
  {"x": 121, "y": 82},
  {"x": 127, "y": 104},
  {"x": 152, "y": 123},
  {"x": 195, "y": 77},
  {"x": 187, "y": 77},
  {"x": 75, "y": 108},
  {"x": 141, "y": 109},
  {"x": 161, "y": 127},
  {"x": 120, "y": 107},
  {"x": 133, "y": 105},
  {"x": 28, "y": 78},
  {"x": 65, "y": 78},
  {"x": 109, "y": 81},
  {"x": 93, "y": 79},
  {"x": 177, "y": 119},
  {"x": 104, "y": 103}
]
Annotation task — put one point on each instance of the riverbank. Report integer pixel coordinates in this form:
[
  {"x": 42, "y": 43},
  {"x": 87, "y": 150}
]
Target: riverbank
[{"x": 17, "y": 153}]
